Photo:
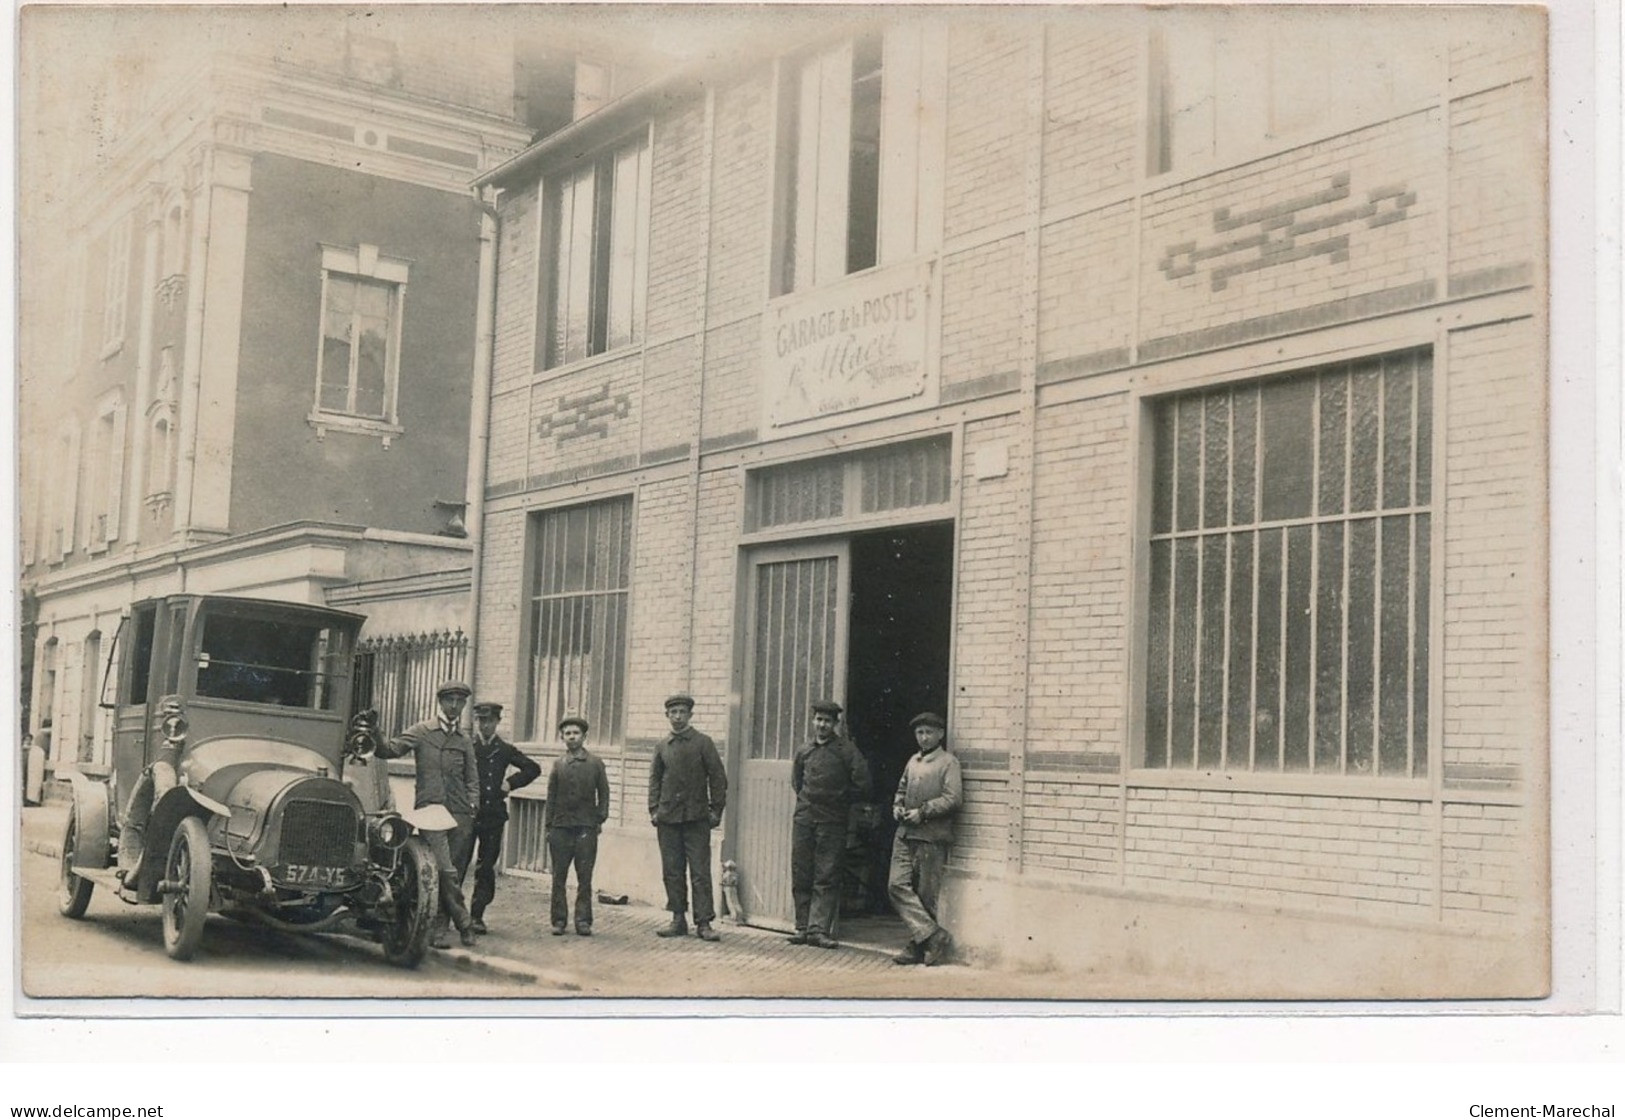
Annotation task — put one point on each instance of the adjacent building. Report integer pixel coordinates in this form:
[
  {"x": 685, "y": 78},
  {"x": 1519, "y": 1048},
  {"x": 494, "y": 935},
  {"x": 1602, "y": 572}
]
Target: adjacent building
[
  {"x": 249, "y": 332},
  {"x": 1159, "y": 395}
]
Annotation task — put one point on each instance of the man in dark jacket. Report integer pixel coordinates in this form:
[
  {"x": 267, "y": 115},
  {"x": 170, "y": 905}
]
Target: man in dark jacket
[
  {"x": 448, "y": 779},
  {"x": 829, "y": 776},
  {"x": 577, "y": 807},
  {"x": 503, "y": 769},
  {"x": 688, "y": 791}
]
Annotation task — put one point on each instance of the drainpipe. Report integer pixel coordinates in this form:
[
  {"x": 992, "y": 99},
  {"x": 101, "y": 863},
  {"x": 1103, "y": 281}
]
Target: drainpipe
[{"x": 479, "y": 419}]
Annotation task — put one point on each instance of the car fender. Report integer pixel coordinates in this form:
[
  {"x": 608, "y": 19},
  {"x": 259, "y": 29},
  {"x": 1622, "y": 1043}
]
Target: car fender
[
  {"x": 93, "y": 806},
  {"x": 172, "y": 808}
]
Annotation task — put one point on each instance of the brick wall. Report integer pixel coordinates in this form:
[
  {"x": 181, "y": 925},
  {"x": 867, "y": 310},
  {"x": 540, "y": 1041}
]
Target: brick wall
[
  {"x": 515, "y": 345},
  {"x": 1092, "y": 105},
  {"x": 1086, "y": 284},
  {"x": 660, "y": 603},
  {"x": 741, "y": 192},
  {"x": 716, "y": 560},
  {"x": 1495, "y": 217},
  {"x": 986, "y": 677},
  {"x": 1335, "y": 854},
  {"x": 1071, "y": 826},
  {"x": 1494, "y": 538},
  {"x": 982, "y": 830},
  {"x": 1484, "y": 870},
  {"x": 987, "y": 97},
  {"x": 501, "y": 609},
  {"x": 676, "y": 225},
  {"x": 733, "y": 379},
  {"x": 981, "y": 312},
  {"x": 1080, "y": 608}
]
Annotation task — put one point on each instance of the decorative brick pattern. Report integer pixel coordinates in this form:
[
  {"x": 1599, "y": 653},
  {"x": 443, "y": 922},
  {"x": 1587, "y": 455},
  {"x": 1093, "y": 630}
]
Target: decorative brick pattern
[
  {"x": 1092, "y": 105},
  {"x": 1400, "y": 156},
  {"x": 1334, "y": 854},
  {"x": 1080, "y": 611}
]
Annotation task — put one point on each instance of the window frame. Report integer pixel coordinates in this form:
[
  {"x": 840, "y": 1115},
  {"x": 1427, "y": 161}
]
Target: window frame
[
  {"x": 598, "y": 239},
  {"x": 116, "y": 286},
  {"x": 1190, "y": 381},
  {"x": 609, "y": 721},
  {"x": 363, "y": 263}
]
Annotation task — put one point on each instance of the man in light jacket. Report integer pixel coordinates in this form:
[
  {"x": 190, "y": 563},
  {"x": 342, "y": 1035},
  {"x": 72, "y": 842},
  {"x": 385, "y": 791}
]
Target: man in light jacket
[{"x": 927, "y": 802}]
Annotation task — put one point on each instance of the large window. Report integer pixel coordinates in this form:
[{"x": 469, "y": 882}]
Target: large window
[
  {"x": 358, "y": 365},
  {"x": 1290, "y": 567},
  {"x": 596, "y": 225},
  {"x": 860, "y": 156},
  {"x": 272, "y": 660},
  {"x": 116, "y": 290},
  {"x": 104, "y": 473},
  {"x": 1222, "y": 88},
  {"x": 582, "y": 565}
]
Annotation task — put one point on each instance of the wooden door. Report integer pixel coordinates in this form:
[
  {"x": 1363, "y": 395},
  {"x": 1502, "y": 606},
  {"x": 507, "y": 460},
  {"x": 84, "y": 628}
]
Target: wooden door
[{"x": 796, "y": 654}]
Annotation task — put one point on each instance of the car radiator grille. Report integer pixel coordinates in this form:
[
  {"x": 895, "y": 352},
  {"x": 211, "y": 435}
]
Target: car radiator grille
[{"x": 318, "y": 832}]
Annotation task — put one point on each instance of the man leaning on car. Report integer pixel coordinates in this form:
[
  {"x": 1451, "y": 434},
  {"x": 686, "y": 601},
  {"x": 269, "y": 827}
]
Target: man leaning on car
[{"x": 448, "y": 777}]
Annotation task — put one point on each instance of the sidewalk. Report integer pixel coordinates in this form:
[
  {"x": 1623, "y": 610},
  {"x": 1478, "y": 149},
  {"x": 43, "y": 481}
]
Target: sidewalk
[{"x": 624, "y": 959}]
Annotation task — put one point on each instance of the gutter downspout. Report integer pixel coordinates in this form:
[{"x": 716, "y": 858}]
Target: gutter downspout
[{"x": 479, "y": 419}]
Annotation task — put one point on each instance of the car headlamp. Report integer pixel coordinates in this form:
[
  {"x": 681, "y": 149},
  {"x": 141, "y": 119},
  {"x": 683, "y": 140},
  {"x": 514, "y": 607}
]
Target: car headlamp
[{"x": 388, "y": 831}]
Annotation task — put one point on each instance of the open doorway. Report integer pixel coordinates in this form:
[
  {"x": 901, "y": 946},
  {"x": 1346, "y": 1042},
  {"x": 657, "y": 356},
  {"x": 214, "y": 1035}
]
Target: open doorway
[{"x": 899, "y": 639}]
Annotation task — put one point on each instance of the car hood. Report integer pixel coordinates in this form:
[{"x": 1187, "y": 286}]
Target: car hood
[{"x": 219, "y": 766}]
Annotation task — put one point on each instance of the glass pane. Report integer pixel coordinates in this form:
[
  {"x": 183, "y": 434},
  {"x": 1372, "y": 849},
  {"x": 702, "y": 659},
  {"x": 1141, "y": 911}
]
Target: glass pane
[
  {"x": 1329, "y": 650},
  {"x": 863, "y": 191},
  {"x": 623, "y": 245},
  {"x": 1188, "y": 484},
  {"x": 338, "y": 321},
  {"x": 1267, "y": 692},
  {"x": 1183, "y": 684},
  {"x": 1157, "y": 643},
  {"x": 1422, "y": 593},
  {"x": 576, "y": 270},
  {"x": 1424, "y": 428},
  {"x": 1239, "y": 702},
  {"x": 1362, "y": 632},
  {"x": 1397, "y": 384},
  {"x": 1393, "y": 671},
  {"x": 1364, "y": 454},
  {"x": 1245, "y": 429},
  {"x": 1210, "y": 718},
  {"x": 1216, "y": 460},
  {"x": 1288, "y": 429},
  {"x": 1299, "y": 654},
  {"x": 372, "y": 317},
  {"x": 1162, "y": 475},
  {"x": 1333, "y": 439},
  {"x": 556, "y": 221}
]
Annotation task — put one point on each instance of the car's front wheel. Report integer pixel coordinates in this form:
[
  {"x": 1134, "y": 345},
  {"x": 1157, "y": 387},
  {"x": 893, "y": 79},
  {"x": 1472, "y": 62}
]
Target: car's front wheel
[
  {"x": 73, "y": 891},
  {"x": 416, "y": 885},
  {"x": 188, "y": 877}
]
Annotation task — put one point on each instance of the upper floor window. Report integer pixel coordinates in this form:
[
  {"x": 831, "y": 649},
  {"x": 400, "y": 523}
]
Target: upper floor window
[
  {"x": 358, "y": 365},
  {"x": 1222, "y": 89},
  {"x": 117, "y": 287},
  {"x": 596, "y": 253},
  {"x": 104, "y": 475},
  {"x": 1290, "y": 554},
  {"x": 860, "y": 155}
]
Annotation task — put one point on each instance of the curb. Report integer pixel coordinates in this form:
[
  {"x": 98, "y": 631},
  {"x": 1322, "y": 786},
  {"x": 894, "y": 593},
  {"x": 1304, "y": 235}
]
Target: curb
[{"x": 474, "y": 962}]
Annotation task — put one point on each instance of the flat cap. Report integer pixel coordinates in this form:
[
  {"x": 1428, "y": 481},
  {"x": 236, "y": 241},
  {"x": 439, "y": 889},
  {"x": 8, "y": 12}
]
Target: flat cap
[
  {"x": 826, "y": 707},
  {"x": 682, "y": 698},
  {"x": 488, "y": 708},
  {"x": 452, "y": 686},
  {"x": 574, "y": 721},
  {"x": 929, "y": 719}
]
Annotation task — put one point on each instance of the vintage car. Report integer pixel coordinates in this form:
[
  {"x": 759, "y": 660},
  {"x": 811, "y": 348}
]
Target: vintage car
[{"x": 229, "y": 792}]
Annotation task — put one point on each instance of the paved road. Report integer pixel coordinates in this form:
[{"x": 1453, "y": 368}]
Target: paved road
[{"x": 117, "y": 950}]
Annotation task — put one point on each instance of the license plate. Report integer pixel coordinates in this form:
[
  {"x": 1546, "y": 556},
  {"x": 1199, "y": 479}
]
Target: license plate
[{"x": 314, "y": 875}]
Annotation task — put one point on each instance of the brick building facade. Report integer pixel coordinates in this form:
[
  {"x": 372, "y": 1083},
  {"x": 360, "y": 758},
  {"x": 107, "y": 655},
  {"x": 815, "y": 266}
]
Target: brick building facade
[{"x": 1162, "y": 398}]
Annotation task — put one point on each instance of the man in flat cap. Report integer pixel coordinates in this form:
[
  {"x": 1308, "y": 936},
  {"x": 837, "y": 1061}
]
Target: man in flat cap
[
  {"x": 448, "y": 778},
  {"x": 577, "y": 807},
  {"x": 829, "y": 776},
  {"x": 503, "y": 768},
  {"x": 688, "y": 791},
  {"x": 927, "y": 801}
]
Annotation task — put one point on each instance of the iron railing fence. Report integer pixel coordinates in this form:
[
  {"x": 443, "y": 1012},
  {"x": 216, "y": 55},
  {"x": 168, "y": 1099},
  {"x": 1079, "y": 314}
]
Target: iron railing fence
[{"x": 397, "y": 675}]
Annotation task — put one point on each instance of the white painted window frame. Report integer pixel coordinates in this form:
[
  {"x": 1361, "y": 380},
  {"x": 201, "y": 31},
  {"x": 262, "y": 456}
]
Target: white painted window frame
[{"x": 363, "y": 262}]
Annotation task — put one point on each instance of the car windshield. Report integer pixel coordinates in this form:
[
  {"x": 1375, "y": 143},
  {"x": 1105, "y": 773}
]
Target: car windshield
[{"x": 291, "y": 662}]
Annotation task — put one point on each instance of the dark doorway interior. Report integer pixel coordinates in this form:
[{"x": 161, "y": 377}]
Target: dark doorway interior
[{"x": 899, "y": 634}]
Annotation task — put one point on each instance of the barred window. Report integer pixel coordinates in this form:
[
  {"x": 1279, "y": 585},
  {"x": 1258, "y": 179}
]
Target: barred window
[
  {"x": 895, "y": 476},
  {"x": 582, "y": 573},
  {"x": 1290, "y": 565}
]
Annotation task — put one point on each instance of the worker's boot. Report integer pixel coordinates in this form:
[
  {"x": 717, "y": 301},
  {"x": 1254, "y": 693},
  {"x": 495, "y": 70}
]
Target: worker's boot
[{"x": 678, "y": 927}]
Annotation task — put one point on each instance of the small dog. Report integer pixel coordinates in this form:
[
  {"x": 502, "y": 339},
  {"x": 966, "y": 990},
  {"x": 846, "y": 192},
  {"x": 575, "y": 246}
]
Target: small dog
[{"x": 730, "y": 892}]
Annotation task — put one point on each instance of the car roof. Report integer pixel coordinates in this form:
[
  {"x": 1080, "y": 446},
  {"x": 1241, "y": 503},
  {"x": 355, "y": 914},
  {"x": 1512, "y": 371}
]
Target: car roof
[{"x": 274, "y": 605}]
